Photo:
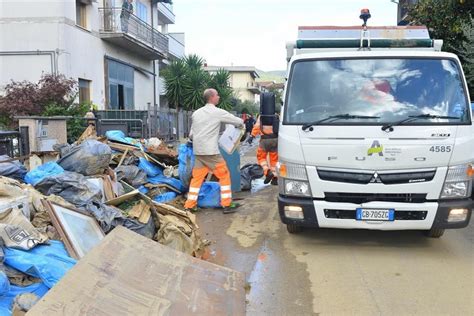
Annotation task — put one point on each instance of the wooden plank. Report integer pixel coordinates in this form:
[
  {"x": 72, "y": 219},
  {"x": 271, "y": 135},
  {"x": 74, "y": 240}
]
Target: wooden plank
[
  {"x": 123, "y": 158},
  {"x": 128, "y": 274}
]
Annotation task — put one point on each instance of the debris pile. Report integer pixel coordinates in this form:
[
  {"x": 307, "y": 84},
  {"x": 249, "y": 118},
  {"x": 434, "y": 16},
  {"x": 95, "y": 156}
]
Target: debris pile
[{"x": 54, "y": 214}]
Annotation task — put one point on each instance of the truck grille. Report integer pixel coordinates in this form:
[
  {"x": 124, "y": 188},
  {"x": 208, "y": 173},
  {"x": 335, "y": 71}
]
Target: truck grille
[
  {"x": 399, "y": 215},
  {"x": 359, "y": 198},
  {"x": 385, "y": 178}
]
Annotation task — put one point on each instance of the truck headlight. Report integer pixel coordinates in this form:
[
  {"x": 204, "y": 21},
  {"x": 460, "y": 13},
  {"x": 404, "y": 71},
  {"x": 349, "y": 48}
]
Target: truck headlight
[
  {"x": 294, "y": 179},
  {"x": 296, "y": 187},
  {"x": 458, "y": 182}
]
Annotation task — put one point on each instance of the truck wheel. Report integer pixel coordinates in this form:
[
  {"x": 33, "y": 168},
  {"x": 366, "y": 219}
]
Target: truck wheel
[
  {"x": 293, "y": 229},
  {"x": 434, "y": 232}
]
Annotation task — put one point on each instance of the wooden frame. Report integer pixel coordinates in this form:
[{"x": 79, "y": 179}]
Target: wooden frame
[{"x": 75, "y": 242}]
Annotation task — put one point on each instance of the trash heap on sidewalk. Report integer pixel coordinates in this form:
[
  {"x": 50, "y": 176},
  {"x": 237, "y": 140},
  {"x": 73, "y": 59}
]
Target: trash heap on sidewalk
[{"x": 54, "y": 214}]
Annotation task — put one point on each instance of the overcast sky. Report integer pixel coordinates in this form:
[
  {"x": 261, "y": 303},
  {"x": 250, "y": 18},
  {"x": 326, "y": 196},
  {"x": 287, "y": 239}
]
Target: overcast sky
[{"x": 254, "y": 32}]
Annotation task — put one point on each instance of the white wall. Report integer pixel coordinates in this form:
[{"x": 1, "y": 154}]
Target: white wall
[{"x": 49, "y": 25}]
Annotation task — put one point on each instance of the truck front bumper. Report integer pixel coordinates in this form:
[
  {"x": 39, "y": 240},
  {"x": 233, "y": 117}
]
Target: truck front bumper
[{"x": 415, "y": 216}]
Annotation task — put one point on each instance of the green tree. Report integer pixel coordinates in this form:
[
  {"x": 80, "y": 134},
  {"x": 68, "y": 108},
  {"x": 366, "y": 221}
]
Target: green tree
[
  {"x": 186, "y": 80},
  {"x": 447, "y": 20},
  {"x": 467, "y": 54},
  {"x": 175, "y": 77},
  {"x": 220, "y": 82}
]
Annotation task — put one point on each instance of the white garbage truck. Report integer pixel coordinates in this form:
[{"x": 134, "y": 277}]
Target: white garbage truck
[{"x": 376, "y": 132}]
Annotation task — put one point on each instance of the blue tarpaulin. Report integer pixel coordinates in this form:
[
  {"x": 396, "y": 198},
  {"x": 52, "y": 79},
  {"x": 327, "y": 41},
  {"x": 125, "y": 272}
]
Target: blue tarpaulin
[
  {"x": 209, "y": 195},
  {"x": 150, "y": 169},
  {"x": 48, "y": 169}
]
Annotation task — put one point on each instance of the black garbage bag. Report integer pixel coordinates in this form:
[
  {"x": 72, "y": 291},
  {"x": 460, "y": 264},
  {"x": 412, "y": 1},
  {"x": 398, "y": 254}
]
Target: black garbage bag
[
  {"x": 12, "y": 169},
  {"x": 248, "y": 173},
  {"x": 89, "y": 158},
  {"x": 63, "y": 149},
  {"x": 71, "y": 186},
  {"x": 132, "y": 175},
  {"x": 110, "y": 217}
]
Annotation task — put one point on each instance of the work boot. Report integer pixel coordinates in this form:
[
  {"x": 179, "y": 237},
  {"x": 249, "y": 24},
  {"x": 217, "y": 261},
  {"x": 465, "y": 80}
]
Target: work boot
[
  {"x": 232, "y": 208},
  {"x": 268, "y": 177},
  {"x": 275, "y": 181}
]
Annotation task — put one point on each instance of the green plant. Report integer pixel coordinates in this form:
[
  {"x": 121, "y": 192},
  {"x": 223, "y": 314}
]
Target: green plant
[
  {"x": 220, "y": 82},
  {"x": 194, "y": 62},
  {"x": 75, "y": 125},
  {"x": 467, "y": 54},
  {"x": 196, "y": 82},
  {"x": 174, "y": 77}
]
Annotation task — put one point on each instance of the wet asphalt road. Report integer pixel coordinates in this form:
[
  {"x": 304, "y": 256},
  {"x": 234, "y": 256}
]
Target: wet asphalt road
[{"x": 341, "y": 272}]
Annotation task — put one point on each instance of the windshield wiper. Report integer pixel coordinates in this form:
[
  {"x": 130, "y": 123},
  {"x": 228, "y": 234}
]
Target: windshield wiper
[
  {"x": 389, "y": 126},
  {"x": 337, "y": 117}
]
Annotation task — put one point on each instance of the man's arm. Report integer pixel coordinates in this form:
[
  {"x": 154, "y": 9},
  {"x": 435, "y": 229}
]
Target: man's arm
[{"x": 228, "y": 118}]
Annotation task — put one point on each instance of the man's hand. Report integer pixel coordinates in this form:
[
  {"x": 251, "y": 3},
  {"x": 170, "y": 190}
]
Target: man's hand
[{"x": 250, "y": 140}]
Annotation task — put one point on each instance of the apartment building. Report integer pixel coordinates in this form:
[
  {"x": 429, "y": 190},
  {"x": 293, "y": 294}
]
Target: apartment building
[
  {"x": 242, "y": 80},
  {"x": 116, "y": 57}
]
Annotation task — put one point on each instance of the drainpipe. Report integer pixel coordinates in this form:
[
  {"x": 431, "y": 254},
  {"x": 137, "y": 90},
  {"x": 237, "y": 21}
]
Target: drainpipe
[{"x": 155, "y": 127}]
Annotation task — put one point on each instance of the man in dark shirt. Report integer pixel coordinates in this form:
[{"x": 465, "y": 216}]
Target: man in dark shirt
[
  {"x": 249, "y": 123},
  {"x": 127, "y": 9}
]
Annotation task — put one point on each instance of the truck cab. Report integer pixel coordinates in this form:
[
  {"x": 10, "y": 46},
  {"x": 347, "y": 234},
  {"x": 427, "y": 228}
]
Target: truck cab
[{"x": 376, "y": 132}]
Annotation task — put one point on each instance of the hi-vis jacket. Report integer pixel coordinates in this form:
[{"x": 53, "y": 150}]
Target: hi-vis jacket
[
  {"x": 205, "y": 128},
  {"x": 265, "y": 130}
]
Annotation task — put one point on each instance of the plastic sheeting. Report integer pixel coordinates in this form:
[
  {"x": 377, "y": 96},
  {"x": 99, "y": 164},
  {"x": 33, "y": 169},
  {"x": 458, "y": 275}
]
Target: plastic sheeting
[
  {"x": 71, "y": 186},
  {"x": 110, "y": 217},
  {"x": 210, "y": 195},
  {"x": 186, "y": 164},
  {"x": 175, "y": 183},
  {"x": 132, "y": 175},
  {"x": 165, "y": 197},
  {"x": 12, "y": 169},
  {"x": 47, "y": 262},
  {"x": 48, "y": 169},
  {"x": 89, "y": 158},
  {"x": 119, "y": 136},
  {"x": 150, "y": 169}
]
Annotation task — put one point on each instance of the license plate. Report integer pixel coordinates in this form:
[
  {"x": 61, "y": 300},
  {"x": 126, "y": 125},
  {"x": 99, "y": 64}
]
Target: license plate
[{"x": 364, "y": 214}]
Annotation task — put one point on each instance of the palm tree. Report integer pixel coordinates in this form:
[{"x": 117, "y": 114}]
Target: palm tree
[
  {"x": 175, "y": 77},
  {"x": 220, "y": 82},
  {"x": 196, "y": 82},
  {"x": 194, "y": 62}
]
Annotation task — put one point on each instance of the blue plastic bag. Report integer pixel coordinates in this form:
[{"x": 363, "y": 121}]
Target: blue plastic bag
[
  {"x": 150, "y": 169},
  {"x": 119, "y": 136},
  {"x": 48, "y": 169},
  {"x": 47, "y": 262},
  {"x": 4, "y": 284},
  {"x": 6, "y": 300},
  {"x": 165, "y": 197},
  {"x": 143, "y": 189},
  {"x": 186, "y": 164},
  {"x": 210, "y": 195},
  {"x": 175, "y": 183}
]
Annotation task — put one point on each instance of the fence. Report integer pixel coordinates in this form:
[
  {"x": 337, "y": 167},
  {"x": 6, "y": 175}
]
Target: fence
[{"x": 167, "y": 124}]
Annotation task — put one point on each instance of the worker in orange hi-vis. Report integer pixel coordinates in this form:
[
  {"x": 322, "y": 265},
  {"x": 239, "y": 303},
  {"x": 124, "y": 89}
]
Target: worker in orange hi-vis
[
  {"x": 205, "y": 128},
  {"x": 267, "y": 149}
]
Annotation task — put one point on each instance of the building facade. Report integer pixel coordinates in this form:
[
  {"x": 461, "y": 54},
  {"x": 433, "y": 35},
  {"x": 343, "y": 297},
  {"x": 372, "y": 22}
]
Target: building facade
[
  {"x": 242, "y": 80},
  {"x": 114, "y": 54}
]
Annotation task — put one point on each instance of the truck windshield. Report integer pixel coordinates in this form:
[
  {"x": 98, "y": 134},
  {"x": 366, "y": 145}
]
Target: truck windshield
[{"x": 390, "y": 89}]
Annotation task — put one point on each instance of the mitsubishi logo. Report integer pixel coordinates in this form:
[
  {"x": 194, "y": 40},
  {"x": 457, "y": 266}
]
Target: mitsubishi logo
[{"x": 375, "y": 178}]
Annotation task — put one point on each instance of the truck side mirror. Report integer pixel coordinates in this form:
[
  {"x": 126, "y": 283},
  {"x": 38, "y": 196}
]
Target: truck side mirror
[{"x": 267, "y": 108}]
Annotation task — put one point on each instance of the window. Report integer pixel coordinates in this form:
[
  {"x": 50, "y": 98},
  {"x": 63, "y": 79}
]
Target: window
[
  {"x": 391, "y": 89},
  {"x": 142, "y": 11},
  {"x": 84, "y": 90},
  {"x": 81, "y": 13},
  {"x": 121, "y": 86}
]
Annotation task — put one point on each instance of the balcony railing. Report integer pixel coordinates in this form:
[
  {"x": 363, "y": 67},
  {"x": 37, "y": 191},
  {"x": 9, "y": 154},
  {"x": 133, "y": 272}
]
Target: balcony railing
[
  {"x": 113, "y": 21},
  {"x": 253, "y": 87}
]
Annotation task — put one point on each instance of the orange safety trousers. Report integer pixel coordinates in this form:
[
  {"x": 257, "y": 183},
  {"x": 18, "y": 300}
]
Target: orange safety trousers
[
  {"x": 199, "y": 174},
  {"x": 262, "y": 158}
]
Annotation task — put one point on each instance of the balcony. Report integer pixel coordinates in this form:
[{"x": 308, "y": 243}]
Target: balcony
[
  {"x": 253, "y": 87},
  {"x": 176, "y": 45},
  {"x": 165, "y": 14},
  {"x": 132, "y": 34}
]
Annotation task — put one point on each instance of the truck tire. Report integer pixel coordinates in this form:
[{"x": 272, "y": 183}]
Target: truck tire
[
  {"x": 434, "y": 232},
  {"x": 294, "y": 229}
]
